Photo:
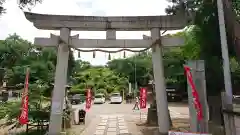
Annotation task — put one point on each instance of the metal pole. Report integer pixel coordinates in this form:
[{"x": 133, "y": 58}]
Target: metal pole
[
  {"x": 129, "y": 87},
  {"x": 140, "y": 116},
  {"x": 135, "y": 73},
  {"x": 229, "y": 120}
]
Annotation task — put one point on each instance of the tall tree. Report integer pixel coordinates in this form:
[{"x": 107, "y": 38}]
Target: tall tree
[
  {"x": 206, "y": 33},
  {"x": 21, "y": 3}
]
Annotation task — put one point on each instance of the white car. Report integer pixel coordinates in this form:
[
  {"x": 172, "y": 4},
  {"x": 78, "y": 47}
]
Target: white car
[
  {"x": 116, "y": 98},
  {"x": 99, "y": 99}
]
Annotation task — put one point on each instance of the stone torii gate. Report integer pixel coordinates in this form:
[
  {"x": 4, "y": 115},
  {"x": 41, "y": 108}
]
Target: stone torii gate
[{"x": 109, "y": 24}]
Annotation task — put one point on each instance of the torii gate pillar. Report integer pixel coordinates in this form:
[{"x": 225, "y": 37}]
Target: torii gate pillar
[
  {"x": 59, "y": 84},
  {"x": 161, "y": 95}
]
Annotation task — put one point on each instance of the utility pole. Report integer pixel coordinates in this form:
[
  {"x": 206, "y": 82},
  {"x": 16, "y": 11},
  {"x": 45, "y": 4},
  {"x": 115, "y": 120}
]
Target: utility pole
[{"x": 229, "y": 121}]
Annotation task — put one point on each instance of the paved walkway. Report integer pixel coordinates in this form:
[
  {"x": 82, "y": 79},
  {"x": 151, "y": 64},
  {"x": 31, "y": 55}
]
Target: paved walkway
[
  {"x": 173, "y": 115},
  {"x": 120, "y": 124},
  {"x": 237, "y": 125},
  {"x": 120, "y": 119},
  {"x": 112, "y": 125}
]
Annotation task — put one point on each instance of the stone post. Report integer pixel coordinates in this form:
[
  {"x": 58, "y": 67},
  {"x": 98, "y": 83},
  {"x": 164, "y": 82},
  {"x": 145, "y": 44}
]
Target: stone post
[
  {"x": 111, "y": 34},
  {"x": 230, "y": 128},
  {"x": 198, "y": 73},
  {"x": 161, "y": 95},
  {"x": 59, "y": 84},
  {"x": 129, "y": 88}
]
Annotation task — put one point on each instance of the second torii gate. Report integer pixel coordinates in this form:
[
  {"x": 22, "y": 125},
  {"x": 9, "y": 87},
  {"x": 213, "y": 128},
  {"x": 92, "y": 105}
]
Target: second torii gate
[{"x": 109, "y": 24}]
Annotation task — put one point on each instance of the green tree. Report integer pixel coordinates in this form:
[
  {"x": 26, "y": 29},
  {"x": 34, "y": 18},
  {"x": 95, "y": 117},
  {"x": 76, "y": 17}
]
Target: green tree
[
  {"x": 100, "y": 79},
  {"x": 206, "y": 34},
  {"x": 138, "y": 68},
  {"x": 16, "y": 56},
  {"x": 23, "y": 4}
]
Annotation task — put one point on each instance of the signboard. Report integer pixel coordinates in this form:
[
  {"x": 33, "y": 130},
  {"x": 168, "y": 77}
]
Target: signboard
[
  {"x": 186, "y": 133},
  {"x": 143, "y": 98},
  {"x": 88, "y": 99},
  {"x": 23, "y": 119}
]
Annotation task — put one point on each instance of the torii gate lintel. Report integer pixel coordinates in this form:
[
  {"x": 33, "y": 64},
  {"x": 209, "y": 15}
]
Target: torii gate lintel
[{"x": 74, "y": 41}]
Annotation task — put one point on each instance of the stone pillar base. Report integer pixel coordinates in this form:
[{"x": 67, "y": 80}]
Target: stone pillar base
[
  {"x": 152, "y": 117},
  {"x": 61, "y": 133},
  {"x": 158, "y": 133}
]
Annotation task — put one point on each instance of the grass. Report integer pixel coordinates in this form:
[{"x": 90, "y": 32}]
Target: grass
[
  {"x": 36, "y": 132},
  {"x": 31, "y": 132}
]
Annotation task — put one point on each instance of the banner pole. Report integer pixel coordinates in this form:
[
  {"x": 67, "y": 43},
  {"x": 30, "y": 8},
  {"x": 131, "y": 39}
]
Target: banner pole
[{"x": 140, "y": 116}]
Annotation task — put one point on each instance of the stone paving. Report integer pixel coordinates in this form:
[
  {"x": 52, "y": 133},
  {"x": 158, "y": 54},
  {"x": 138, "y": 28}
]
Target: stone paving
[
  {"x": 237, "y": 125},
  {"x": 120, "y": 119},
  {"x": 173, "y": 114},
  {"x": 115, "y": 124},
  {"x": 111, "y": 125}
]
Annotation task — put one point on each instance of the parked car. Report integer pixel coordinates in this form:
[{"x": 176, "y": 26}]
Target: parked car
[
  {"x": 99, "y": 99},
  {"x": 116, "y": 98},
  {"x": 236, "y": 99},
  {"x": 236, "y": 96},
  {"x": 78, "y": 98}
]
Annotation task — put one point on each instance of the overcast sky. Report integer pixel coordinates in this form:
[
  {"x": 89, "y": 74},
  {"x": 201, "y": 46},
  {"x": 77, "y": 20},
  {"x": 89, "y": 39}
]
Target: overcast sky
[{"x": 14, "y": 20}]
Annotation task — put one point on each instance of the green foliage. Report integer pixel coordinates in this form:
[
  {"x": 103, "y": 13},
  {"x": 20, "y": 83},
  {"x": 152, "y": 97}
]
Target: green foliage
[
  {"x": 205, "y": 39},
  {"x": 100, "y": 79},
  {"x": 235, "y": 69},
  {"x": 102, "y": 91},
  {"x": 31, "y": 132},
  {"x": 16, "y": 55},
  {"x": 173, "y": 60},
  {"x": 205, "y": 34},
  {"x": 236, "y": 7},
  {"x": 23, "y": 4},
  {"x": 10, "y": 110},
  {"x": 137, "y": 68},
  {"x": 39, "y": 106}
]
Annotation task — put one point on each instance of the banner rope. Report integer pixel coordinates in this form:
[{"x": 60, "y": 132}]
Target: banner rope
[{"x": 116, "y": 51}]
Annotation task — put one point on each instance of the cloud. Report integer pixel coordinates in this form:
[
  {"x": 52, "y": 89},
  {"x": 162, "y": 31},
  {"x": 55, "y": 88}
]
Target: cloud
[
  {"x": 132, "y": 7},
  {"x": 85, "y": 4},
  {"x": 99, "y": 13},
  {"x": 14, "y": 20}
]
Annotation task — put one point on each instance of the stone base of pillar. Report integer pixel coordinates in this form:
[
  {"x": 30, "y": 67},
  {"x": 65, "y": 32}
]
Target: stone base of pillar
[
  {"x": 61, "y": 133},
  {"x": 158, "y": 133},
  {"x": 151, "y": 117},
  {"x": 216, "y": 129}
]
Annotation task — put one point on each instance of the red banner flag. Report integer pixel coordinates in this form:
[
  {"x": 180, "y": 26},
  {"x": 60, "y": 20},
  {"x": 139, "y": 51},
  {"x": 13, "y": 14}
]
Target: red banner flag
[
  {"x": 195, "y": 95},
  {"x": 143, "y": 98},
  {"x": 88, "y": 99},
  {"x": 23, "y": 119}
]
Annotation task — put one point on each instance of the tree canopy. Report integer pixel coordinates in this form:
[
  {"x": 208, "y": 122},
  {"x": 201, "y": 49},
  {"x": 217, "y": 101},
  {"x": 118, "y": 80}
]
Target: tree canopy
[
  {"x": 23, "y": 4},
  {"x": 205, "y": 34},
  {"x": 100, "y": 79}
]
